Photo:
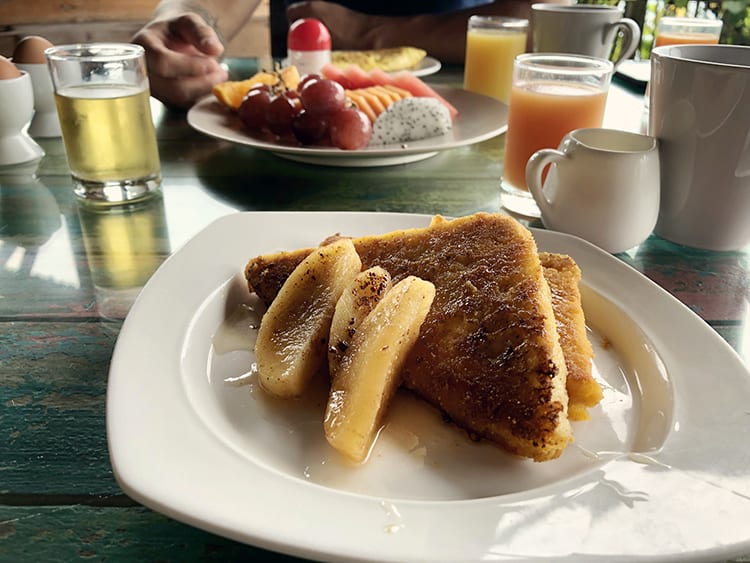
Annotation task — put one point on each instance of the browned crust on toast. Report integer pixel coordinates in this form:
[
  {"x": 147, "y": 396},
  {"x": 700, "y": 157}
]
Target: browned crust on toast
[
  {"x": 564, "y": 276},
  {"x": 488, "y": 354}
]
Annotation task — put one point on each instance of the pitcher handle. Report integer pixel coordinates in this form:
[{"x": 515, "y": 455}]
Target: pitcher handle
[
  {"x": 631, "y": 38},
  {"x": 534, "y": 171}
]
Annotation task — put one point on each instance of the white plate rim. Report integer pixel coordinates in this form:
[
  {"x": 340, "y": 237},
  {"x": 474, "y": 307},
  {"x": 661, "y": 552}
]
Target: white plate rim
[
  {"x": 635, "y": 71},
  {"x": 427, "y": 66},
  {"x": 480, "y": 118},
  {"x": 700, "y": 471}
]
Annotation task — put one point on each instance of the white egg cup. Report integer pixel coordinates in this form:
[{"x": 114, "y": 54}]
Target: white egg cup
[
  {"x": 16, "y": 112},
  {"x": 45, "y": 122}
]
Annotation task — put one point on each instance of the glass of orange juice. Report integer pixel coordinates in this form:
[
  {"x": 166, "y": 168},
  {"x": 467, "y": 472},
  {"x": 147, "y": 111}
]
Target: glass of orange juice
[
  {"x": 683, "y": 31},
  {"x": 551, "y": 95},
  {"x": 491, "y": 45}
]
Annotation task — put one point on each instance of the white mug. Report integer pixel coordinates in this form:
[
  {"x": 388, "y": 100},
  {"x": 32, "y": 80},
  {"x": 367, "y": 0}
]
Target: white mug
[
  {"x": 582, "y": 29},
  {"x": 602, "y": 185},
  {"x": 700, "y": 113}
]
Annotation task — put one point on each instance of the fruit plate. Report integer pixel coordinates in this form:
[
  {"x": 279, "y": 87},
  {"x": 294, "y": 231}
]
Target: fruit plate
[
  {"x": 661, "y": 472},
  {"x": 479, "y": 118}
]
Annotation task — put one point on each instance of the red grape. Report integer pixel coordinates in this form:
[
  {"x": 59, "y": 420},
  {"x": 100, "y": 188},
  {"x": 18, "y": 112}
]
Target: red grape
[
  {"x": 264, "y": 87},
  {"x": 308, "y": 128},
  {"x": 281, "y": 112},
  {"x": 254, "y": 108},
  {"x": 350, "y": 129},
  {"x": 323, "y": 97},
  {"x": 307, "y": 78}
]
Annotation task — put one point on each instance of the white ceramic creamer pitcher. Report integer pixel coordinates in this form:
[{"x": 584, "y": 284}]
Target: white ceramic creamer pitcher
[{"x": 601, "y": 185}]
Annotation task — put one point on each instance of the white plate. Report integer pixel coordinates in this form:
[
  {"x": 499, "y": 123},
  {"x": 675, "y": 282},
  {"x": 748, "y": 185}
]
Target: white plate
[
  {"x": 426, "y": 66},
  {"x": 661, "y": 472},
  {"x": 479, "y": 118},
  {"x": 638, "y": 72}
]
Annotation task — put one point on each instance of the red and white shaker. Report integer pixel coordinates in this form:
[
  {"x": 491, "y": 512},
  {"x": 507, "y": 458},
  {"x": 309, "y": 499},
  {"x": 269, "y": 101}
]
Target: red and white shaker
[{"x": 308, "y": 45}]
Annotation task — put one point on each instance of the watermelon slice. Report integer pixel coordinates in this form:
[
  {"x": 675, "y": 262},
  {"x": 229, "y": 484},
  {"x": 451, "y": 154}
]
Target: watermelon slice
[
  {"x": 380, "y": 77},
  {"x": 332, "y": 72},
  {"x": 406, "y": 80},
  {"x": 357, "y": 77},
  {"x": 352, "y": 77}
]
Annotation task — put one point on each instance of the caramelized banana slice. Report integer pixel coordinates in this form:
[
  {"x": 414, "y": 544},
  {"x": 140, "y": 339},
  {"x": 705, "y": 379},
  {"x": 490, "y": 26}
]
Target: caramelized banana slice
[
  {"x": 369, "y": 372},
  {"x": 293, "y": 334},
  {"x": 358, "y": 299}
]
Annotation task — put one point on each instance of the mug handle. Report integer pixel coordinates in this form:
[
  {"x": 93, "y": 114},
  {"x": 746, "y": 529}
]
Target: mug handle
[
  {"x": 631, "y": 38},
  {"x": 534, "y": 171}
]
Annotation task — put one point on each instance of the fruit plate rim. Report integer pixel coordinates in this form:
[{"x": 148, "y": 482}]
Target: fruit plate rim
[
  {"x": 701, "y": 470},
  {"x": 479, "y": 118}
]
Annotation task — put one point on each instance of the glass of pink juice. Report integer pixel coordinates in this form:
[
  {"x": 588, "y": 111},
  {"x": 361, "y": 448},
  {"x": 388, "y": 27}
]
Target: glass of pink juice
[
  {"x": 551, "y": 95},
  {"x": 684, "y": 31}
]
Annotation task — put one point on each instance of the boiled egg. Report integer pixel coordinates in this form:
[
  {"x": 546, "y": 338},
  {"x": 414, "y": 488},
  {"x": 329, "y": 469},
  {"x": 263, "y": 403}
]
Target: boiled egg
[
  {"x": 8, "y": 69},
  {"x": 30, "y": 50}
]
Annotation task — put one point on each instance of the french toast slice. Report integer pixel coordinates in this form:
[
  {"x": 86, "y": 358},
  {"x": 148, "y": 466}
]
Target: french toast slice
[
  {"x": 563, "y": 276},
  {"x": 488, "y": 354}
]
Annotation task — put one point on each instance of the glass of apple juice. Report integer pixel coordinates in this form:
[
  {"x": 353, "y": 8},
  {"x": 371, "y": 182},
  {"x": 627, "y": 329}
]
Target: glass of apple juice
[
  {"x": 551, "y": 95},
  {"x": 102, "y": 98}
]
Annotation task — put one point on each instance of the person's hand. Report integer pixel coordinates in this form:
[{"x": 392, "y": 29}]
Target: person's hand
[
  {"x": 181, "y": 57},
  {"x": 349, "y": 29}
]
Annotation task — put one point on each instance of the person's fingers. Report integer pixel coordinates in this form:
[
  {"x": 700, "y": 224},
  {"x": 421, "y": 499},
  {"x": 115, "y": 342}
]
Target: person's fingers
[
  {"x": 185, "y": 91},
  {"x": 172, "y": 64},
  {"x": 180, "y": 69},
  {"x": 193, "y": 30}
]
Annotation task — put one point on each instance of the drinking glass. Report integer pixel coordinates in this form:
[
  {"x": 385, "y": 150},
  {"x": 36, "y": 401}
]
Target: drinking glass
[
  {"x": 683, "y": 31},
  {"x": 102, "y": 99},
  {"x": 491, "y": 45},
  {"x": 551, "y": 95}
]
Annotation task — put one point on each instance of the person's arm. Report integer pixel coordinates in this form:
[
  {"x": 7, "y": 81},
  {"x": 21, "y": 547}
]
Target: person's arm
[
  {"x": 443, "y": 36},
  {"x": 226, "y": 17},
  {"x": 183, "y": 42}
]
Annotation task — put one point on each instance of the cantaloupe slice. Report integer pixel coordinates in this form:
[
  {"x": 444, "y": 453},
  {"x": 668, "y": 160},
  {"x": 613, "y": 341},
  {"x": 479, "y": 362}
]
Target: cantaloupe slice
[
  {"x": 361, "y": 103},
  {"x": 386, "y": 95},
  {"x": 374, "y": 100}
]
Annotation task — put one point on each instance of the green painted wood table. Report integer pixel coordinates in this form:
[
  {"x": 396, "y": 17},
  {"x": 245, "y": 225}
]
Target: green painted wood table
[{"x": 66, "y": 285}]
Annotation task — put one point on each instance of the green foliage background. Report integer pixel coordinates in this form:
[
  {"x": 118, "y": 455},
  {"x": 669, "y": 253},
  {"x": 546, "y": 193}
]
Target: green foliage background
[{"x": 735, "y": 15}]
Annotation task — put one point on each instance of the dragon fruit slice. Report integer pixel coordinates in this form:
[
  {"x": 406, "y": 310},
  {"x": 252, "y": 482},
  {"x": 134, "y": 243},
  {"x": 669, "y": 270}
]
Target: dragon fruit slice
[{"x": 410, "y": 119}]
